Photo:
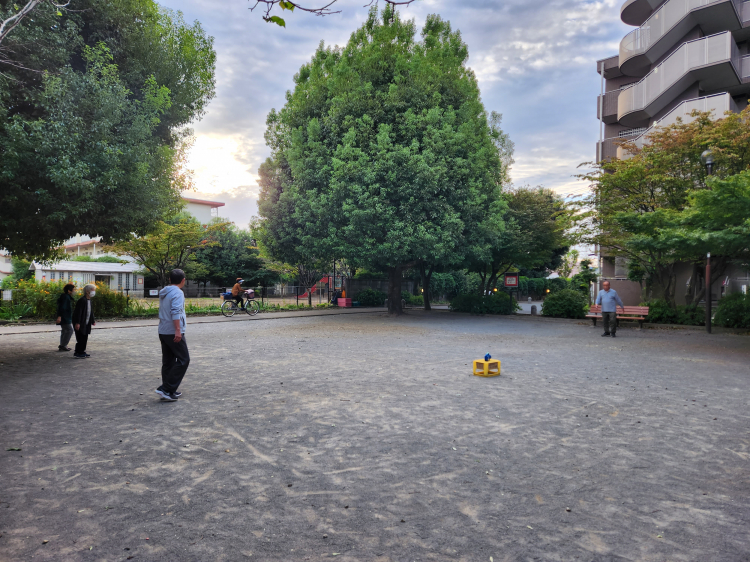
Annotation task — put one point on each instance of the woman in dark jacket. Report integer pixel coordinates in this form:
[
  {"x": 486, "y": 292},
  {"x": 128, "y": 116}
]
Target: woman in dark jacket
[
  {"x": 65, "y": 316},
  {"x": 83, "y": 319}
]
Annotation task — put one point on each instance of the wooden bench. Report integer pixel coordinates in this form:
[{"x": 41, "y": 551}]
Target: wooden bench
[{"x": 636, "y": 313}]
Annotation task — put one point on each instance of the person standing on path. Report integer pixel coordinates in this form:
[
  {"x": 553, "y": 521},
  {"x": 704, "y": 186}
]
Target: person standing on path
[
  {"x": 609, "y": 299},
  {"x": 65, "y": 316},
  {"x": 174, "y": 351},
  {"x": 83, "y": 319}
]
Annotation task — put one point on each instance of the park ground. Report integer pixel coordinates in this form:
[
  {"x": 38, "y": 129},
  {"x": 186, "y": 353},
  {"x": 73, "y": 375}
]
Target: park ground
[{"x": 357, "y": 437}]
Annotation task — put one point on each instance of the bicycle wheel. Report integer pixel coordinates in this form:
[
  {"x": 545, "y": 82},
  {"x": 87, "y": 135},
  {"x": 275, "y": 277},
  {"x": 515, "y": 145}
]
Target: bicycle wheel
[
  {"x": 229, "y": 308},
  {"x": 252, "y": 307}
]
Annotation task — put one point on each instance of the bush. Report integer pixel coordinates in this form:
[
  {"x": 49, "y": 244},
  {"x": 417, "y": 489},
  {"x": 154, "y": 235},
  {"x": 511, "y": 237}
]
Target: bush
[
  {"x": 496, "y": 303},
  {"x": 557, "y": 284},
  {"x": 565, "y": 303},
  {"x": 371, "y": 297},
  {"x": 415, "y": 300},
  {"x": 660, "y": 312},
  {"x": 42, "y": 297},
  {"x": 536, "y": 286},
  {"x": 733, "y": 311}
]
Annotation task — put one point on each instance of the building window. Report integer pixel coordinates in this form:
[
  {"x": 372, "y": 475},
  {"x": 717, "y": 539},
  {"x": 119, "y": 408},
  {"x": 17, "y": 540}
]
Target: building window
[
  {"x": 119, "y": 281},
  {"x": 621, "y": 267},
  {"x": 52, "y": 275}
]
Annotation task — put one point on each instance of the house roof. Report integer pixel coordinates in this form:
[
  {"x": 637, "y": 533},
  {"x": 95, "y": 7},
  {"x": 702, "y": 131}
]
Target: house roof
[
  {"x": 88, "y": 267},
  {"x": 212, "y": 204}
]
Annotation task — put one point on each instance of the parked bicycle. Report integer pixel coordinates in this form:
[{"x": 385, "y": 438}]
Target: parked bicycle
[{"x": 230, "y": 306}]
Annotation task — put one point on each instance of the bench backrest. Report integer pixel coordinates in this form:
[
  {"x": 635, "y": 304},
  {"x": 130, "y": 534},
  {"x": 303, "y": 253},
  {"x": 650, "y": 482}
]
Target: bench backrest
[{"x": 640, "y": 310}]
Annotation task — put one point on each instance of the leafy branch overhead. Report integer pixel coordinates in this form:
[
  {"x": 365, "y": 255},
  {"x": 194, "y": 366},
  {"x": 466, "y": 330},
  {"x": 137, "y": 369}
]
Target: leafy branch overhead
[{"x": 325, "y": 10}]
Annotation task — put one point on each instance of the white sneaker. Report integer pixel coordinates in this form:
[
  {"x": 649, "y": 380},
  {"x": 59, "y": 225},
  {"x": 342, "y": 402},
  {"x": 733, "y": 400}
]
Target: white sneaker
[{"x": 165, "y": 396}]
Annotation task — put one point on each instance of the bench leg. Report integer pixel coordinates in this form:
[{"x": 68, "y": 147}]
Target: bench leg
[
  {"x": 594, "y": 319},
  {"x": 640, "y": 324}
]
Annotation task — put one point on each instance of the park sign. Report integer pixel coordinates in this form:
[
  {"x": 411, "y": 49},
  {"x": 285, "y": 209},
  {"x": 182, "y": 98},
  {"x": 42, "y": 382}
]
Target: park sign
[{"x": 511, "y": 280}]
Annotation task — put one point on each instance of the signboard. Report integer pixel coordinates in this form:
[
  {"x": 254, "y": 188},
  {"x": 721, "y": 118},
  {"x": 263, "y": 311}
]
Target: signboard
[
  {"x": 511, "y": 280},
  {"x": 153, "y": 292},
  {"x": 140, "y": 281}
]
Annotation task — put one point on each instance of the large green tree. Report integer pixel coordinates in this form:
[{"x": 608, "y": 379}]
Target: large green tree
[
  {"x": 636, "y": 204},
  {"x": 536, "y": 222},
  {"x": 93, "y": 105},
  {"x": 384, "y": 154}
]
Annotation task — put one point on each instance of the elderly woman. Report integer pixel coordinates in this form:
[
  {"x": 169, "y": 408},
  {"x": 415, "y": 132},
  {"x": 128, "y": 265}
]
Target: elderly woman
[{"x": 83, "y": 319}]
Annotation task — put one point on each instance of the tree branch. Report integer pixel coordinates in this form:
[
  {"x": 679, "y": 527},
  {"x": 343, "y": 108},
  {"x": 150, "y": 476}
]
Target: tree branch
[{"x": 7, "y": 25}]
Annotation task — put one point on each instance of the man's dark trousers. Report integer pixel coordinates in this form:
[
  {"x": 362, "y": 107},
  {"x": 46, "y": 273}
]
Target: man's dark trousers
[
  {"x": 174, "y": 362},
  {"x": 82, "y": 340},
  {"x": 610, "y": 320}
]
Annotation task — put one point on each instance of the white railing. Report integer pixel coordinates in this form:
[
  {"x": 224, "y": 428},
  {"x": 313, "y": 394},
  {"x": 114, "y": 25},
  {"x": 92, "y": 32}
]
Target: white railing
[
  {"x": 717, "y": 104},
  {"x": 661, "y": 22},
  {"x": 745, "y": 65},
  {"x": 689, "y": 56}
]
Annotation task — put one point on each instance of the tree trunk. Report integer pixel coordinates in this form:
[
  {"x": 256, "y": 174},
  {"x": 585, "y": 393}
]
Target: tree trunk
[
  {"x": 426, "y": 275},
  {"x": 483, "y": 277},
  {"x": 717, "y": 270},
  {"x": 395, "y": 275},
  {"x": 692, "y": 284},
  {"x": 309, "y": 297}
]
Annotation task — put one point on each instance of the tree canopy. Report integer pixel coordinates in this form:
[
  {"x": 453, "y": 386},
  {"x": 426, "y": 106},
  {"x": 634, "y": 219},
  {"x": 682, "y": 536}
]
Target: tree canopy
[
  {"x": 650, "y": 207},
  {"x": 93, "y": 105},
  {"x": 384, "y": 154}
]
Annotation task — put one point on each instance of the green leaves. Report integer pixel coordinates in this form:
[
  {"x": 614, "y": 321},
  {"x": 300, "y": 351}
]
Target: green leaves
[
  {"x": 277, "y": 20},
  {"x": 285, "y": 5}
]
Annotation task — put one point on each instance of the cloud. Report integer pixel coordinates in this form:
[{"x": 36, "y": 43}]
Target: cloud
[{"x": 535, "y": 63}]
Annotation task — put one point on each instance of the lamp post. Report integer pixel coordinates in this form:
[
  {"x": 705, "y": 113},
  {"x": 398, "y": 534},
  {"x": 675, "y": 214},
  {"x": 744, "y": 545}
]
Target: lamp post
[{"x": 707, "y": 158}]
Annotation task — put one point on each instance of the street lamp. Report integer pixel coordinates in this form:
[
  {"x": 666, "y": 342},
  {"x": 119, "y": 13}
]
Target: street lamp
[{"x": 707, "y": 158}]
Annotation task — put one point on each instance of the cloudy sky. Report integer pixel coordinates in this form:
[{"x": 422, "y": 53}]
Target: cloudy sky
[{"x": 535, "y": 61}]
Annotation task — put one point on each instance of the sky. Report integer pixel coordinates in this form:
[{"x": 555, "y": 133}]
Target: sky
[{"x": 535, "y": 63}]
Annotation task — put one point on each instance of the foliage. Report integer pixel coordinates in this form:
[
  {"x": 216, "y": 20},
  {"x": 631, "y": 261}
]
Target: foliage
[
  {"x": 324, "y": 10},
  {"x": 90, "y": 118},
  {"x": 371, "y": 297},
  {"x": 537, "y": 286},
  {"x": 168, "y": 247},
  {"x": 582, "y": 280},
  {"x": 536, "y": 221},
  {"x": 655, "y": 209},
  {"x": 20, "y": 271},
  {"x": 446, "y": 284},
  {"x": 566, "y": 303},
  {"x": 557, "y": 284},
  {"x": 234, "y": 255},
  {"x": 568, "y": 263},
  {"x": 383, "y": 154},
  {"x": 102, "y": 259},
  {"x": 733, "y": 311},
  {"x": 662, "y": 312},
  {"x": 496, "y": 303},
  {"x": 14, "y": 312},
  {"x": 42, "y": 298}
]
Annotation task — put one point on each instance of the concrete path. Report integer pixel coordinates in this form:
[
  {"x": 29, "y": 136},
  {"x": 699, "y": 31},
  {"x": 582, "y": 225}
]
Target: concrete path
[{"x": 361, "y": 437}]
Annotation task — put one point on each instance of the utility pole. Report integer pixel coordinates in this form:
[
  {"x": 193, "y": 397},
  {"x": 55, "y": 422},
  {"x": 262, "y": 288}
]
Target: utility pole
[{"x": 708, "y": 292}]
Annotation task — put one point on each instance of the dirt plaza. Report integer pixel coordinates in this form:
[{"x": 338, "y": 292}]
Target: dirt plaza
[{"x": 365, "y": 437}]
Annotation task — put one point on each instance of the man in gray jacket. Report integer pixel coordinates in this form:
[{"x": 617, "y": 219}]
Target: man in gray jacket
[
  {"x": 609, "y": 299},
  {"x": 174, "y": 351}
]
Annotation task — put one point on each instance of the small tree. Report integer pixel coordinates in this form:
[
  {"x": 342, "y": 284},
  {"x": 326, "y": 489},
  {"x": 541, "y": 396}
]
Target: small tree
[
  {"x": 569, "y": 261},
  {"x": 168, "y": 247}
]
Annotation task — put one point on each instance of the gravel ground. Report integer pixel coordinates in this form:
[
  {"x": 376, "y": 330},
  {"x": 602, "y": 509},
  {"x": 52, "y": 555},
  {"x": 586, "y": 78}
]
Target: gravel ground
[{"x": 365, "y": 437}]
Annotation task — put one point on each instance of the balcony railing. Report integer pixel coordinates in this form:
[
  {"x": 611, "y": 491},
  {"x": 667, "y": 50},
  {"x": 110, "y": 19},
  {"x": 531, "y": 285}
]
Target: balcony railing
[
  {"x": 606, "y": 107},
  {"x": 661, "y": 22},
  {"x": 688, "y": 57},
  {"x": 717, "y": 104}
]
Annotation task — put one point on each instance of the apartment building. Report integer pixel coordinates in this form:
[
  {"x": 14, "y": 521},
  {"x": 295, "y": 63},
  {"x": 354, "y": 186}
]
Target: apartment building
[{"x": 682, "y": 55}]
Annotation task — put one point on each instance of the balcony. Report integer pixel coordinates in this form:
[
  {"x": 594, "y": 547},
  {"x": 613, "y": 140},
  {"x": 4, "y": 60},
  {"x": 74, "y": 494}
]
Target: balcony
[
  {"x": 610, "y": 66},
  {"x": 635, "y": 12},
  {"x": 608, "y": 148},
  {"x": 717, "y": 104},
  {"x": 606, "y": 107},
  {"x": 712, "y": 61},
  {"x": 640, "y": 48}
]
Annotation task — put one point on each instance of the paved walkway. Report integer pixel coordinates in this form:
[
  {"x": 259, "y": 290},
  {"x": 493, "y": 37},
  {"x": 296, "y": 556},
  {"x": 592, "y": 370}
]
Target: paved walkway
[{"x": 364, "y": 437}]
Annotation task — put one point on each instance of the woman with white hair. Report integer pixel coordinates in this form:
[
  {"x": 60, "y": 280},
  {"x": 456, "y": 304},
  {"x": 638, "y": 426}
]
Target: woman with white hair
[{"x": 83, "y": 319}]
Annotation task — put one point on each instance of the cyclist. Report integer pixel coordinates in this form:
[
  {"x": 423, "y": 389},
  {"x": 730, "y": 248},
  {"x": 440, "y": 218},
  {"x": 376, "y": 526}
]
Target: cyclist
[{"x": 237, "y": 292}]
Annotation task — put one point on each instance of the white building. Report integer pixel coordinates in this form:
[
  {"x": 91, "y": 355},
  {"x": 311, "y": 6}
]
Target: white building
[
  {"x": 202, "y": 209},
  {"x": 123, "y": 277}
]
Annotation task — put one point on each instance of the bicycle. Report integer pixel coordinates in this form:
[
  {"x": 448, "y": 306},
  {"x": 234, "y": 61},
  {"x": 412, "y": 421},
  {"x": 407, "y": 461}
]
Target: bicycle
[{"x": 230, "y": 307}]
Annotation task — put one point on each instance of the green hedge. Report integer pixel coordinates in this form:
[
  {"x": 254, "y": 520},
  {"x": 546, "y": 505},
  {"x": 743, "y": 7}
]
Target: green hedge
[
  {"x": 371, "y": 297},
  {"x": 659, "y": 312},
  {"x": 565, "y": 303},
  {"x": 733, "y": 311},
  {"x": 496, "y": 303}
]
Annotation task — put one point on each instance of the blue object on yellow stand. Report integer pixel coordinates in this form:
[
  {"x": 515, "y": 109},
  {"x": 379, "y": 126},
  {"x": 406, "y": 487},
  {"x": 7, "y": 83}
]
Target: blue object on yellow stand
[{"x": 487, "y": 368}]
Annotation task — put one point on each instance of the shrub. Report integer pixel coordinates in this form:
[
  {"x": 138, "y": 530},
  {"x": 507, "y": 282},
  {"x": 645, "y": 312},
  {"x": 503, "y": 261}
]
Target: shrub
[
  {"x": 536, "y": 286},
  {"x": 733, "y": 311},
  {"x": 565, "y": 303},
  {"x": 557, "y": 284},
  {"x": 416, "y": 300},
  {"x": 496, "y": 303},
  {"x": 371, "y": 297},
  {"x": 660, "y": 312},
  {"x": 14, "y": 312}
]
